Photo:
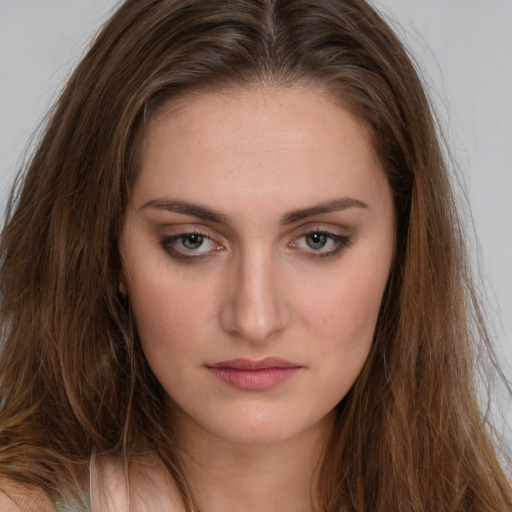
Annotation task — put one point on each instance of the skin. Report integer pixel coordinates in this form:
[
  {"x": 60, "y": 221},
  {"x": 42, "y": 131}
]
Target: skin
[
  {"x": 257, "y": 285},
  {"x": 14, "y": 497}
]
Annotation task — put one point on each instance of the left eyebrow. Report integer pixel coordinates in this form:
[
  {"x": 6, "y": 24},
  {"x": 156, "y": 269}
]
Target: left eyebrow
[{"x": 327, "y": 207}]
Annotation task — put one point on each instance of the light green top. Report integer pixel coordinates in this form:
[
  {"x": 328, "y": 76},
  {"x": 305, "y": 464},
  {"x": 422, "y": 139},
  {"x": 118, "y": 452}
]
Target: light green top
[{"x": 74, "y": 506}]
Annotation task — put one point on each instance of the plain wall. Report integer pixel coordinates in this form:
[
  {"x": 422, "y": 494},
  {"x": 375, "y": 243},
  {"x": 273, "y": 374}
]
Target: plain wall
[{"x": 464, "y": 48}]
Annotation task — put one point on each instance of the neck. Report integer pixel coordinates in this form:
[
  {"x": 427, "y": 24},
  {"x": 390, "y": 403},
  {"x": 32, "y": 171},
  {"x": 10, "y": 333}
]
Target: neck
[{"x": 227, "y": 477}]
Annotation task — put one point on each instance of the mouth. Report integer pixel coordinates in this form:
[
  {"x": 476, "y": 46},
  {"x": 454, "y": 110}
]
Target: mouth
[{"x": 254, "y": 375}]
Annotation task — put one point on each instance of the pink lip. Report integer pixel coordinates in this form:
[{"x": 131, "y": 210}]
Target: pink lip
[{"x": 254, "y": 375}]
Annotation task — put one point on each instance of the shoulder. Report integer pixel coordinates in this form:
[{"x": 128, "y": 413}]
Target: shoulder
[
  {"x": 15, "y": 497},
  {"x": 145, "y": 485},
  {"x": 109, "y": 487}
]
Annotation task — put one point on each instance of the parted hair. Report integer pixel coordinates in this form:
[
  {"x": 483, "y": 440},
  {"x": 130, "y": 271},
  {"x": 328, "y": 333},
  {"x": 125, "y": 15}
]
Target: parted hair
[{"x": 74, "y": 383}]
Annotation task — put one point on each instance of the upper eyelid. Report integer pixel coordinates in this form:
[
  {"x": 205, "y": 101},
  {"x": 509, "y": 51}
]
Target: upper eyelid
[
  {"x": 177, "y": 230},
  {"x": 321, "y": 228},
  {"x": 335, "y": 237},
  {"x": 186, "y": 227}
]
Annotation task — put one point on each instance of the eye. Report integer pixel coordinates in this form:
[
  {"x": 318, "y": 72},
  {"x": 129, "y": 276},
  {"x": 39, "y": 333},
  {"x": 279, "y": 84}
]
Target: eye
[
  {"x": 192, "y": 241},
  {"x": 189, "y": 245},
  {"x": 320, "y": 243},
  {"x": 316, "y": 240}
]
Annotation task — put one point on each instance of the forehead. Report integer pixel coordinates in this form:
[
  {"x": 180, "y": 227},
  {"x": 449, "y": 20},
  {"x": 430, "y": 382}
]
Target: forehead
[{"x": 262, "y": 144}]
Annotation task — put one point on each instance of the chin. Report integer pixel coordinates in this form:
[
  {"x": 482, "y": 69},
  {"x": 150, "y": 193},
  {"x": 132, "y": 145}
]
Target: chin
[
  {"x": 263, "y": 427},
  {"x": 268, "y": 435}
]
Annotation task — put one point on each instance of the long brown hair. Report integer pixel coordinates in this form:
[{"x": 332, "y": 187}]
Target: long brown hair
[{"x": 73, "y": 380}]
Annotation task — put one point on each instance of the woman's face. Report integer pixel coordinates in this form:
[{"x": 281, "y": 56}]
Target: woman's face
[{"x": 255, "y": 254}]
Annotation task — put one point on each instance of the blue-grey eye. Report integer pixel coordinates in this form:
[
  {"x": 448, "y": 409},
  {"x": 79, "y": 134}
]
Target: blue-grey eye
[
  {"x": 316, "y": 240},
  {"x": 321, "y": 243},
  {"x": 190, "y": 245},
  {"x": 192, "y": 241}
]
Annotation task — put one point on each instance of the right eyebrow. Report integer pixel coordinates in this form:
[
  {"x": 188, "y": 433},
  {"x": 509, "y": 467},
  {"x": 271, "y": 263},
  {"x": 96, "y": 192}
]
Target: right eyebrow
[
  {"x": 186, "y": 208},
  {"x": 326, "y": 207}
]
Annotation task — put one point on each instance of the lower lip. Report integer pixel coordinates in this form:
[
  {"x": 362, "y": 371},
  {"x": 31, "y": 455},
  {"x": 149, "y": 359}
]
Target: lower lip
[{"x": 253, "y": 380}]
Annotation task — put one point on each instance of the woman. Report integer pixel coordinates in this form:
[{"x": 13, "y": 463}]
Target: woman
[{"x": 233, "y": 277}]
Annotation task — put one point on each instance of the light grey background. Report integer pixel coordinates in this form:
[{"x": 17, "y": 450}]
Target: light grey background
[{"x": 464, "y": 48}]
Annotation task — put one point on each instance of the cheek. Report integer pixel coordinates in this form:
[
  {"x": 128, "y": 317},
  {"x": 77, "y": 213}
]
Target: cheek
[
  {"x": 169, "y": 302},
  {"x": 346, "y": 308},
  {"x": 168, "y": 317},
  {"x": 342, "y": 316}
]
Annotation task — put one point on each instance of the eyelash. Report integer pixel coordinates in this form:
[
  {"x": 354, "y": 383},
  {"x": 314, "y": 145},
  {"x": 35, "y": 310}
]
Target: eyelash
[
  {"x": 168, "y": 242},
  {"x": 340, "y": 241}
]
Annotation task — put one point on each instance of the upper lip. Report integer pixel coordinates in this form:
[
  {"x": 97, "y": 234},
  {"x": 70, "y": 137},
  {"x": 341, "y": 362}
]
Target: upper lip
[{"x": 255, "y": 364}]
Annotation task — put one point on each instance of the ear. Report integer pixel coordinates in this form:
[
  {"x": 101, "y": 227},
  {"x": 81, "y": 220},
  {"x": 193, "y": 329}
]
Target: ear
[{"x": 122, "y": 288}]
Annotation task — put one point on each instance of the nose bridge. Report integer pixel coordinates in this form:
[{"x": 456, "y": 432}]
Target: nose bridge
[{"x": 255, "y": 306}]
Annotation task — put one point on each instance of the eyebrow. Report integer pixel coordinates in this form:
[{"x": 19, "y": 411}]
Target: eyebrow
[
  {"x": 327, "y": 207},
  {"x": 205, "y": 213},
  {"x": 192, "y": 209}
]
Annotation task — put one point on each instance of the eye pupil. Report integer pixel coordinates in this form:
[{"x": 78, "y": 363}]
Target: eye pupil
[
  {"x": 316, "y": 240},
  {"x": 192, "y": 241}
]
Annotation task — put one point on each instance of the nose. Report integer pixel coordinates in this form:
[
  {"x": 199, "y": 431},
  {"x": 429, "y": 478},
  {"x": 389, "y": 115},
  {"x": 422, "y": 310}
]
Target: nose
[{"x": 254, "y": 309}]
